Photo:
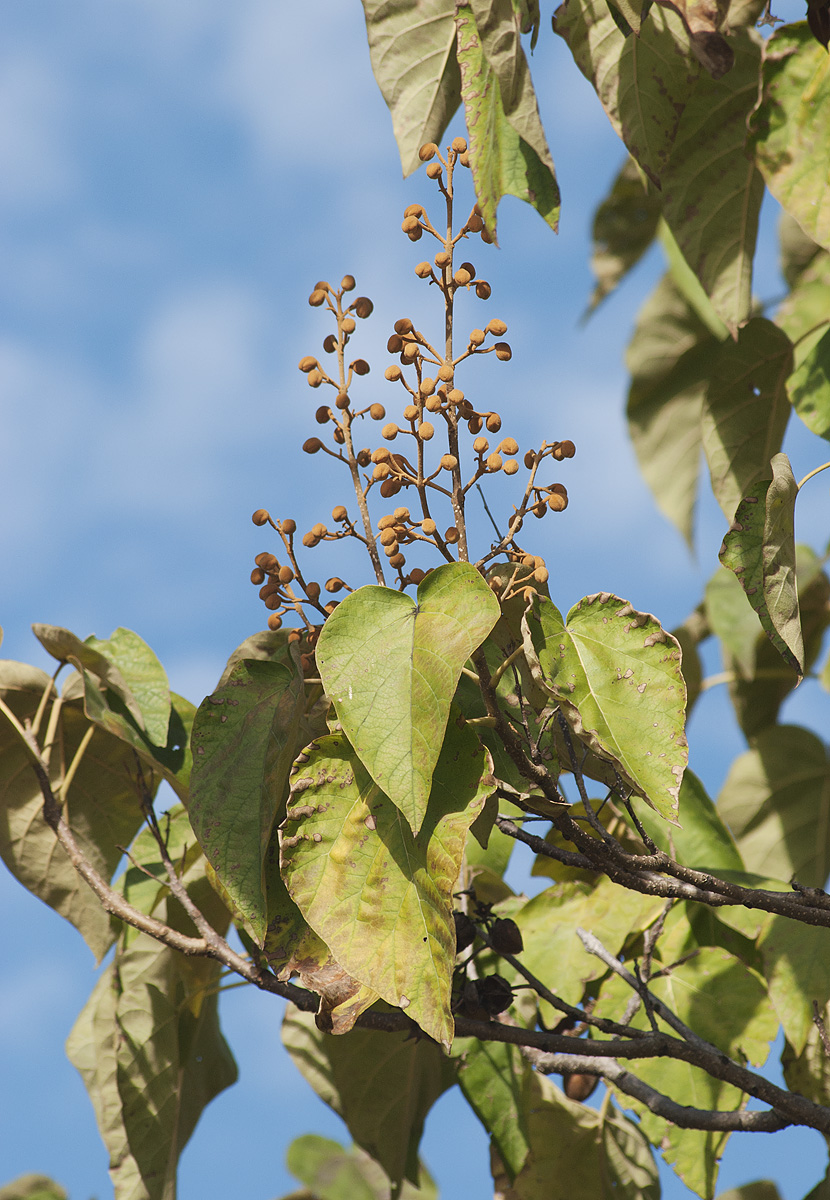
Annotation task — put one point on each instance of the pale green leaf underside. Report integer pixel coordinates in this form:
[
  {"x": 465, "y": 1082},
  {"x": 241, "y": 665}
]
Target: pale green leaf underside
[{"x": 391, "y": 667}]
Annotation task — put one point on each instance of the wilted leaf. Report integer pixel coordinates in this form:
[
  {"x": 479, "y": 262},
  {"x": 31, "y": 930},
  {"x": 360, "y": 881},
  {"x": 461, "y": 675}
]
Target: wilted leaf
[
  {"x": 381, "y": 1084},
  {"x": 791, "y": 128},
  {"x": 391, "y": 667},
  {"x": 508, "y": 150},
  {"x": 103, "y": 805},
  {"x": 670, "y": 360},
  {"x": 625, "y": 225},
  {"x": 712, "y": 190},
  {"x": 760, "y": 549},
  {"x": 245, "y": 738},
  {"x": 776, "y": 800},
  {"x": 334, "y": 1173},
  {"x": 643, "y": 82},
  {"x": 412, "y": 48},
  {"x": 702, "y": 841},
  {"x": 378, "y": 896},
  {"x": 616, "y": 674},
  {"x": 746, "y": 409}
]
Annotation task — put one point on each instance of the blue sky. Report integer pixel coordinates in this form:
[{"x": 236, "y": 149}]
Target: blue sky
[{"x": 173, "y": 179}]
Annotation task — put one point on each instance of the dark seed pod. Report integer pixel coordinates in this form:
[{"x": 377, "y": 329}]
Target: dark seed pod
[
  {"x": 317, "y": 298},
  {"x": 312, "y": 445},
  {"x": 495, "y": 994},
  {"x": 506, "y": 937},
  {"x": 579, "y": 1087},
  {"x": 257, "y": 576},
  {"x": 267, "y": 561},
  {"x": 260, "y": 517},
  {"x": 465, "y": 930},
  {"x": 363, "y": 307},
  {"x": 289, "y": 526},
  {"x": 330, "y": 344}
]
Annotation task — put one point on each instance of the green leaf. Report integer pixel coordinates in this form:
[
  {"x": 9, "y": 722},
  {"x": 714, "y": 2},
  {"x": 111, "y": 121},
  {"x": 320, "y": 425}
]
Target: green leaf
[
  {"x": 670, "y": 360},
  {"x": 809, "y": 388},
  {"x": 732, "y": 618},
  {"x": 103, "y": 804},
  {"x": 333, "y": 1173},
  {"x": 776, "y": 800},
  {"x": 495, "y": 1080},
  {"x": 803, "y": 313},
  {"x": 791, "y": 128},
  {"x": 412, "y": 48},
  {"x": 33, "y": 1187},
  {"x": 381, "y": 1084},
  {"x": 761, "y": 1189},
  {"x": 746, "y": 409},
  {"x": 797, "y": 968},
  {"x": 625, "y": 225},
  {"x": 66, "y": 647},
  {"x": 712, "y": 191},
  {"x": 391, "y": 666},
  {"x": 378, "y": 896},
  {"x": 758, "y": 697},
  {"x": 760, "y": 549},
  {"x": 702, "y": 841},
  {"x": 552, "y": 949},
  {"x": 808, "y": 1071},
  {"x": 577, "y": 1151},
  {"x": 643, "y": 82},
  {"x": 508, "y": 152},
  {"x": 616, "y": 675},
  {"x": 796, "y": 251},
  {"x": 145, "y": 677},
  {"x": 688, "y": 283},
  {"x": 245, "y": 738}
]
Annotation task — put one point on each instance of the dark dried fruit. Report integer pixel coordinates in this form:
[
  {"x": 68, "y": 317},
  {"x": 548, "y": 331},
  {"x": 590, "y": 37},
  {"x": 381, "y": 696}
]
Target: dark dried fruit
[
  {"x": 465, "y": 930},
  {"x": 506, "y": 937},
  {"x": 579, "y": 1087},
  {"x": 260, "y": 517},
  {"x": 495, "y": 994}
]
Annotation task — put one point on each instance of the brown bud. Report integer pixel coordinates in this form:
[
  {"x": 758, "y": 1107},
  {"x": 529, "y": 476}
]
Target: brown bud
[
  {"x": 315, "y": 378},
  {"x": 310, "y": 541},
  {"x": 274, "y": 622},
  {"x": 377, "y": 412},
  {"x": 415, "y": 235},
  {"x": 509, "y": 446},
  {"x": 483, "y": 290},
  {"x": 503, "y": 351},
  {"x": 480, "y": 445},
  {"x": 557, "y": 503},
  {"x": 364, "y": 457},
  {"x": 323, "y": 415},
  {"x": 342, "y": 400},
  {"x": 312, "y": 445},
  {"x": 428, "y": 526},
  {"x": 397, "y": 560},
  {"x": 394, "y": 346},
  {"x": 455, "y": 396},
  {"x": 289, "y": 526},
  {"x": 390, "y": 547},
  {"x": 285, "y": 574},
  {"x": 390, "y": 431},
  {"x": 477, "y": 336},
  {"x": 334, "y": 584},
  {"x": 474, "y": 424},
  {"x": 260, "y": 517},
  {"x": 434, "y": 171},
  {"x": 257, "y": 576},
  {"x": 496, "y": 327},
  {"x": 530, "y": 459},
  {"x": 539, "y": 509},
  {"x": 459, "y": 145},
  {"x": 389, "y": 488},
  {"x": 306, "y": 662},
  {"x": 317, "y": 298},
  {"x": 426, "y": 387},
  {"x": 410, "y": 412},
  {"x": 410, "y": 352},
  {"x": 449, "y": 462},
  {"x": 433, "y": 404},
  {"x": 451, "y": 535},
  {"x": 445, "y": 372},
  {"x": 416, "y": 575},
  {"x": 404, "y": 325},
  {"x": 339, "y": 513},
  {"x": 427, "y": 151},
  {"x": 468, "y": 266},
  {"x": 319, "y": 529},
  {"x": 410, "y": 223},
  {"x": 401, "y": 514},
  {"x": 347, "y": 283},
  {"x": 348, "y": 325},
  {"x": 423, "y": 270},
  {"x": 312, "y": 590},
  {"x": 506, "y": 937},
  {"x": 426, "y": 431},
  {"x": 322, "y": 286},
  {"x": 386, "y": 522},
  {"x": 510, "y": 466},
  {"x": 475, "y": 223},
  {"x": 381, "y": 455},
  {"x": 363, "y": 307},
  {"x": 273, "y": 601},
  {"x": 559, "y": 489},
  {"x": 339, "y": 436},
  {"x": 464, "y": 159},
  {"x": 578, "y": 1087},
  {"x": 486, "y": 236},
  {"x": 360, "y": 366},
  {"x": 307, "y": 364},
  {"x": 414, "y": 210},
  {"x": 462, "y": 277},
  {"x": 541, "y": 575},
  {"x": 387, "y": 536},
  {"x": 568, "y": 449},
  {"x": 493, "y": 422},
  {"x": 330, "y": 344},
  {"x": 494, "y": 462},
  {"x": 331, "y": 606},
  {"x": 271, "y": 589}
]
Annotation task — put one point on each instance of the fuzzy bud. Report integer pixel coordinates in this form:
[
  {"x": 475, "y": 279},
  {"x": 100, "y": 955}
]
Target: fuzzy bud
[
  {"x": 360, "y": 366},
  {"x": 481, "y": 445},
  {"x": 381, "y": 455},
  {"x": 459, "y": 145},
  {"x": 274, "y": 622},
  {"x": 289, "y": 527},
  {"x": 389, "y": 432},
  {"x": 377, "y": 412},
  {"x": 427, "y": 151},
  {"x": 410, "y": 412},
  {"x": 312, "y": 590},
  {"x": 310, "y": 541},
  {"x": 414, "y": 210},
  {"x": 386, "y": 522},
  {"x": 339, "y": 513},
  {"x": 510, "y": 466},
  {"x": 503, "y": 351},
  {"x": 494, "y": 462},
  {"x": 315, "y": 378},
  {"x": 530, "y": 459},
  {"x": 397, "y": 560},
  {"x": 260, "y": 517},
  {"x": 449, "y": 462},
  {"x": 426, "y": 431},
  {"x": 394, "y": 372},
  {"x": 334, "y": 584},
  {"x": 423, "y": 270},
  {"x": 434, "y": 171},
  {"x": 330, "y": 343},
  {"x": 428, "y": 526},
  {"x": 427, "y": 387},
  {"x": 363, "y": 307},
  {"x": 442, "y": 259},
  {"x": 307, "y": 364},
  {"x": 404, "y": 325},
  {"x": 312, "y": 445},
  {"x": 496, "y": 327},
  {"x": 409, "y": 224},
  {"x": 462, "y": 277},
  {"x": 477, "y": 337},
  {"x": 381, "y": 471},
  {"x": 475, "y": 223},
  {"x": 433, "y": 404},
  {"x": 348, "y": 325},
  {"x": 455, "y": 396},
  {"x": 416, "y": 575},
  {"x": 342, "y": 400},
  {"x": 509, "y": 445},
  {"x": 388, "y": 537},
  {"x": 401, "y": 514},
  {"x": 483, "y": 290},
  {"x": 451, "y": 535},
  {"x": 493, "y": 422},
  {"x": 415, "y": 235},
  {"x": 317, "y": 298},
  {"x": 410, "y": 352},
  {"x": 474, "y": 424},
  {"x": 389, "y": 488},
  {"x": 445, "y": 372},
  {"x": 257, "y": 576},
  {"x": 347, "y": 283},
  {"x": 364, "y": 457}
]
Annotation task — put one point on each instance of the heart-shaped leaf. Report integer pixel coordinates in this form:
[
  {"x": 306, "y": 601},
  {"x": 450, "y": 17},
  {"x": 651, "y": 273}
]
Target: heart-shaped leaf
[
  {"x": 616, "y": 674},
  {"x": 391, "y": 668}
]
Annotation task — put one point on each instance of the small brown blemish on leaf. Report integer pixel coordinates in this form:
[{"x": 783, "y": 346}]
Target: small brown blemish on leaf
[
  {"x": 200, "y": 749},
  {"x": 404, "y": 1002},
  {"x": 370, "y": 822},
  {"x": 300, "y": 810},
  {"x": 216, "y": 699},
  {"x": 317, "y": 837},
  {"x": 642, "y": 688}
]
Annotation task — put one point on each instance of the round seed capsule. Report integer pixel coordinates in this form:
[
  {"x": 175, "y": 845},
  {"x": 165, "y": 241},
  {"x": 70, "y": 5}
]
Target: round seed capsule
[
  {"x": 434, "y": 171},
  {"x": 410, "y": 412},
  {"x": 568, "y": 449},
  {"x": 474, "y": 424},
  {"x": 339, "y": 436},
  {"x": 451, "y": 535},
  {"x": 319, "y": 529},
  {"x": 510, "y": 466},
  {"x": 428, "y": 526},
  {"x": 285, "y": 574},
  {"x": 393, "y": 373},
  {"x": 468, "y": 266},
  {"x": 270, "y": 589},
  {"x": 386, "y": 522},
  {"x": 415, "y": 235},
  {"x": 317, "y": 298},
  {"x": 395, "y": 344},
  {"x": 433, "y": 404},
  {"x": 483, "y": 290},
  {"x": 426, "y": 431},
  {"x": 312, "y": 590},
  {"x": 541, "y": 575},
  {"x": 389, "y": 488},
  {"x": 449, "y": 462},
  {"x": 401, "y": 514},
  {"x": 539, "y": 509},
  {"x": 477, "y": 336},
  {"x": 414, "y": 210},
  {"x": 360, "y": 366},
  {"x": 363, "y": 307},
  {"x": 475, "y": 223},
  {"x": 509, "y": 445},
  {"x": 377, "y": 412},
  {"x": 330, "y": 344},
  {"x": 348, "y": 325},
  {"x": 390, "y": 431},
  {"x": 462, "y": 277},
  {"x": 390, "y": 548},
  {"x": 423, "y": 270},
  {"x": 503, "y": 351},
  {"x": 530, "y": 459},
  {"x": 289, "y": 526},
  {"x": 445, "y": 372},
  {"x": 388, "y": 536},
  {"x": 442, "y": 259},
  {"x": 274, "y": 622},
  {"x": 381, "y": 471},
  {"x": 323, "y": 415},
  {"x": 307, "y": 364},
  {"x": 416, "y": 575},
  {"x": 257, "y": 576},
  {"x": 260, "y": 517},
  {"x": 312, "y": 445},
  {"x": 334, "y": 584},
  {"x": 410, "y": 223},
  {"x": 342, "y": 400},
  {"x": 427, "y": 387},
  {"x": 339, "y": 513},
  {"x": 455, "y": 396},
  {"x": 380, "y": 455},
  {"x": 480, "y": 445},
  {"x": 464, "y": 159},
  {"x": 310, "y": 541},
  {"x": 427, "y": 151},
  {"x": 347, "y": 283},
  {"x": 404, "y": 325},
  {"x": 493, "y": 422},
  {"x": 494, "y": 462},
  {"x": 397, "y": 561},
  {"x": 459, "y": 145},
  {"x": 322, "y": 286},
  {"x": 364, "y": 457},
  {"x": 315, "y": 378},
  {"x": 496, "y": 327},
  {"x": 410, "y": 352}
]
